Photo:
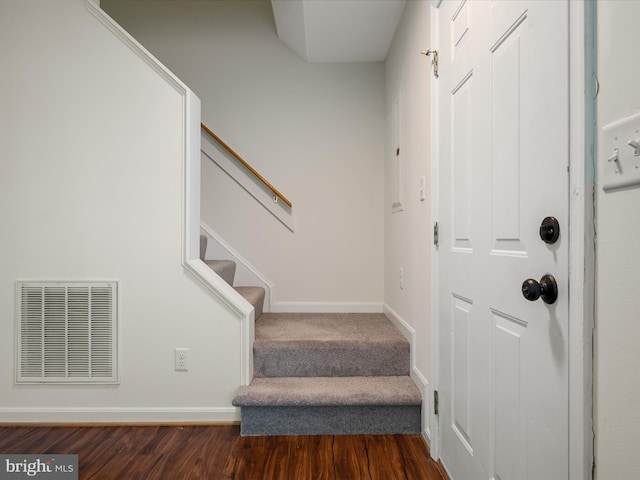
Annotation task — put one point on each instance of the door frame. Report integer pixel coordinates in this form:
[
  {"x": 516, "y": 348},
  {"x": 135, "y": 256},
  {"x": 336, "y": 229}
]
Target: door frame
[{"x": 582, "y": 137}]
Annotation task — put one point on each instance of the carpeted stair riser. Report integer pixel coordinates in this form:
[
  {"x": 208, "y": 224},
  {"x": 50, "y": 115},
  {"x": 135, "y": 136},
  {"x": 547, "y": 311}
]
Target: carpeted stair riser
[
  {"x": 325, "y": 360},
  {"x": 226, "y": 269},
  {"x": 255, "y": 296},
  {"x": 203, "y": 246},
  {"x": 339, "y": 420}
]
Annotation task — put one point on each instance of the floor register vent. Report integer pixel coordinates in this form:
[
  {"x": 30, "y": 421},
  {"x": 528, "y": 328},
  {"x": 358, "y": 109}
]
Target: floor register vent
[{"x": 66, "y": 332}]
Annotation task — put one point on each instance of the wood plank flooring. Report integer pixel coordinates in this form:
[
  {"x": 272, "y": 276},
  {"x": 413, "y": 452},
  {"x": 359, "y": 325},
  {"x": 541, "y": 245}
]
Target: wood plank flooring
[{"x": 219, "y": 452}]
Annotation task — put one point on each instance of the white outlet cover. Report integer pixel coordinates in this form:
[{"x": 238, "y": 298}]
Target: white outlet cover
[
  {"x": 619, "y": 164},
  {"x": 181, "y": 358}
]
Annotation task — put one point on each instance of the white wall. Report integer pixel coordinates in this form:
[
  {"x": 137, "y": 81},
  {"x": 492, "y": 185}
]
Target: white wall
[
  {"x": 408, "y": 232},
  {"x": 315, "y": 131},
  {"x": 91, "y": 142},
  {"x": 617, "y": 335}
]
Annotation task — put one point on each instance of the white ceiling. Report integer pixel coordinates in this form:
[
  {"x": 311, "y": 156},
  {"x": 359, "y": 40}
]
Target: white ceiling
[{"x": 338, "y": 30}]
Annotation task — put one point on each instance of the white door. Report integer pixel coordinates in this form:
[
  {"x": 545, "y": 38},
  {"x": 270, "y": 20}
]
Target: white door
[{"x": 503, "y": 168}]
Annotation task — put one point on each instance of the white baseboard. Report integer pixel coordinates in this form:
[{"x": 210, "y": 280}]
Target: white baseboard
[
  {"x": 416, "y": 375},
  {"x": 425, "y": 388},
  {"x": 120, "y": 415},
  {"x": 407, "y": 331},
  {"x": 270, "y": 303},
  {"x": 326, "y": 307}
]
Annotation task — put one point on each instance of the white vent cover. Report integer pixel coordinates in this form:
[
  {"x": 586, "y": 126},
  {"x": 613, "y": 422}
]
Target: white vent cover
[{"x": 66, "y": 332}]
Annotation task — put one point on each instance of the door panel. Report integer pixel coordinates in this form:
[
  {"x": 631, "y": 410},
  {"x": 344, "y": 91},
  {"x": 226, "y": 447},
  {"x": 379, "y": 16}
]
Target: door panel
[
  {"x": 461, "y": 149},
  {"x": 505, "y": 159},
  {"x": 461, "y": 370},
  {"x": 507, "y": 363},
  {"x": 504, "y": 130}
]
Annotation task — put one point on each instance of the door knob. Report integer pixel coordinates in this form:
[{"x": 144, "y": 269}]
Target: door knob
[
  {"x": 546, "y": 288},
  {"x": 550, "y": 230}
]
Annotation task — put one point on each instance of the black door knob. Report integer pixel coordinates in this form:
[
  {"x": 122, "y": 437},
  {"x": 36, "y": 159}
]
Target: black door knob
[
  {"x": 550, "y": 230},
  {"x": 546, "y": 288}
]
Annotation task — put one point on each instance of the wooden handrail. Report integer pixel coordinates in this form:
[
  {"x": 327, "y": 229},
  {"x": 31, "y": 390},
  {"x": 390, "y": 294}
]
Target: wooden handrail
[{"x": 276, "y": 194}]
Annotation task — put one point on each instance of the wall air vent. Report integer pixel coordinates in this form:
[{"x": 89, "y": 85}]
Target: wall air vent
[{"x": 66, "y": 332}]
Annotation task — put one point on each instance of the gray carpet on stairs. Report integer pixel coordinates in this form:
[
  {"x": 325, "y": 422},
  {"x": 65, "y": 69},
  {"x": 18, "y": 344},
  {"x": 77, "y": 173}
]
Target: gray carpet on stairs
[
  {"x": 328, "y": 344},
  {"x": 343, "y": 420},
  {"x": 329, "y": 391},
  {"x": 324, "y": 374},
  {"x": 203, "y": 246},
  {"x": 255, "y": 296},
  {"x": 333, "y": 374},
  {"x": 224, "y": 268}
]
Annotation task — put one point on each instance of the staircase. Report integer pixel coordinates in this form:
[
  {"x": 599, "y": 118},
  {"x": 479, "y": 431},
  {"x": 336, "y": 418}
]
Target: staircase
[
  {"x": 325, "y": 374},
  {"x": 226, "y": 269}
]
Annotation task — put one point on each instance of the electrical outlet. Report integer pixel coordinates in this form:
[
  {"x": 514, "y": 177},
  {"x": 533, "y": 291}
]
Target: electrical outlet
[{"x": 181, "y": 356}]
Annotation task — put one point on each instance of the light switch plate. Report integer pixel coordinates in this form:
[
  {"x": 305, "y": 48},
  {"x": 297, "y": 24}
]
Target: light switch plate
[{"x": 619, "y": 164}]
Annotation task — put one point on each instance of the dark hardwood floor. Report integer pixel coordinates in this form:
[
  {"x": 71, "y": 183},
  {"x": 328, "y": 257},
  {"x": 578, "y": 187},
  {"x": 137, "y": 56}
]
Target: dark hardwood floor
[{"x": 219, "y": 452}]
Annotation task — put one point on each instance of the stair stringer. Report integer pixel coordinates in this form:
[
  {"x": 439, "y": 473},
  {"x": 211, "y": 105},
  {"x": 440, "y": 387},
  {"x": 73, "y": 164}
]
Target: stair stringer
[{"x": 191, "y": 161}]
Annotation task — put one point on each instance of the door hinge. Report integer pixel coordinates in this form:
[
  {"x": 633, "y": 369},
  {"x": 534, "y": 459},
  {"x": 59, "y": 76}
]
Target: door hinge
[
  {"x": 436, "y": 234},
  {"x": 435, "y": 402},
  {"x": 435, "y": 60}
]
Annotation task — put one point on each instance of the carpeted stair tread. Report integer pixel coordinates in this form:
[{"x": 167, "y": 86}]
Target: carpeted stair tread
[
  {"x": 327, "y": 345},
  {"x": 226, "y": 269},
  {"x": 327, "y": 327},
  {"x": 328, "y": 391},
  {"x": 255, "y": 296}
]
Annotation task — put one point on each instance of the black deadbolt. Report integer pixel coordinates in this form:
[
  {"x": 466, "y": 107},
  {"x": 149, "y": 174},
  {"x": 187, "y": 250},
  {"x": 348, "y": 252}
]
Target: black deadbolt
[
  {"x": 550, "y": 230},
  {"x": 547, "y": 289}
]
